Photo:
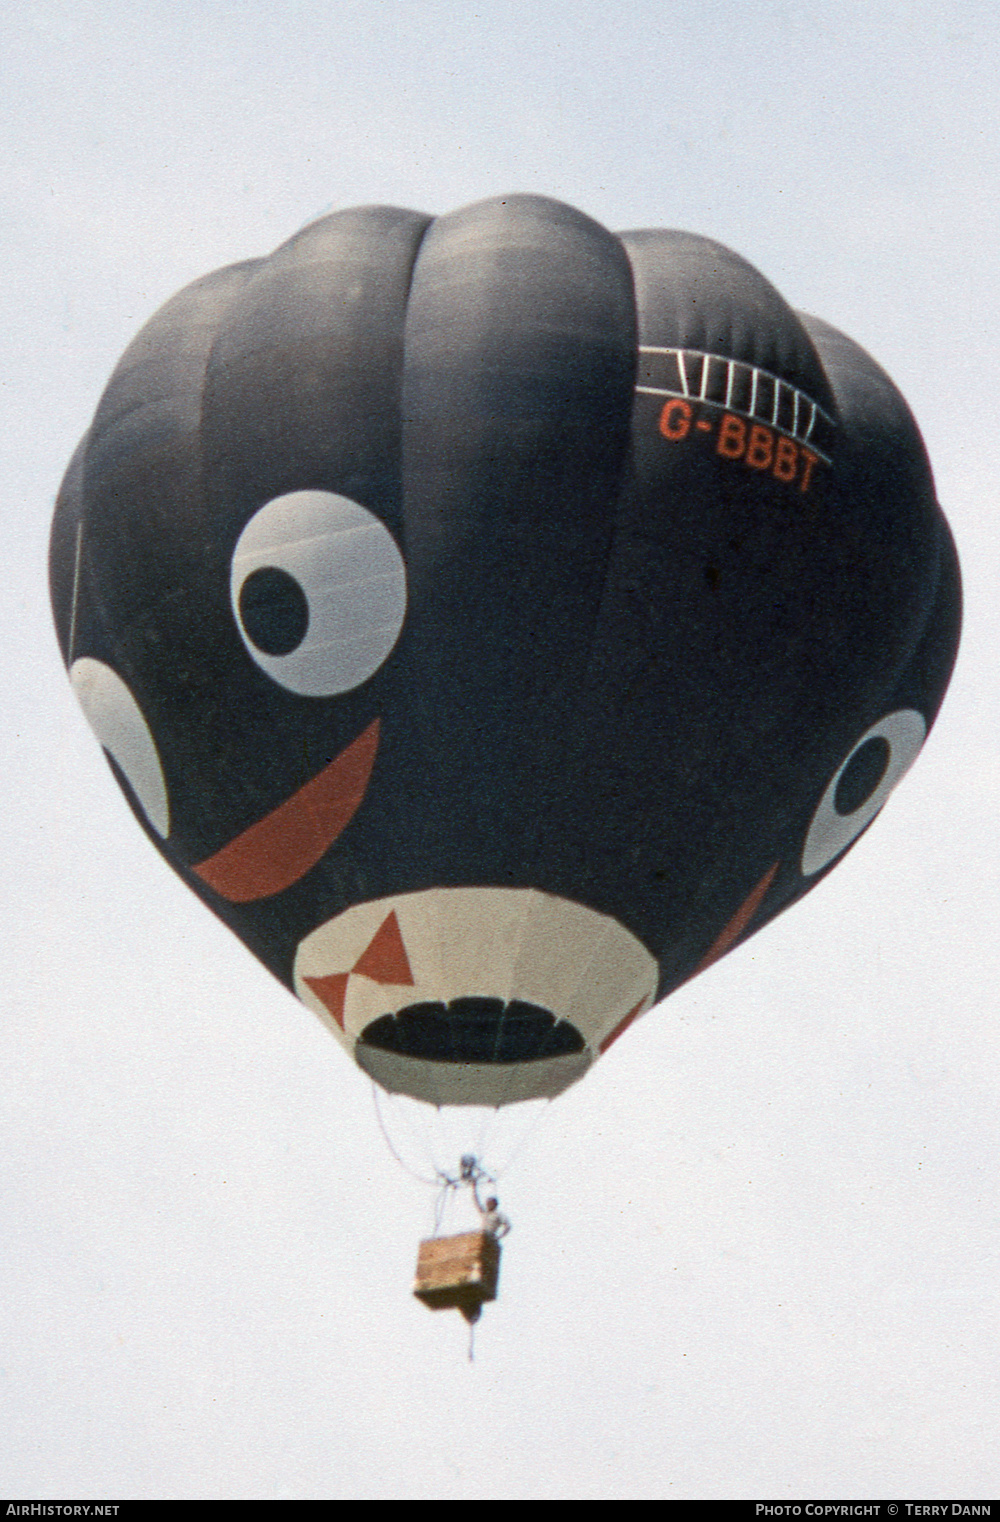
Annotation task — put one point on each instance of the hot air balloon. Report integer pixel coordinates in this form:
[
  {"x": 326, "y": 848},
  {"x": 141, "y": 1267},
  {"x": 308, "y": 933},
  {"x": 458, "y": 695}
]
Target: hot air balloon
[{"x": 495, "y": 619}]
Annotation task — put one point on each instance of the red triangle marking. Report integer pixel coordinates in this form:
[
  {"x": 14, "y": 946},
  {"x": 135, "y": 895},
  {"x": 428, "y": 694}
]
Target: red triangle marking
[
  {"x": 384, "y": 959},
  {"x": 333, "y": 991}
]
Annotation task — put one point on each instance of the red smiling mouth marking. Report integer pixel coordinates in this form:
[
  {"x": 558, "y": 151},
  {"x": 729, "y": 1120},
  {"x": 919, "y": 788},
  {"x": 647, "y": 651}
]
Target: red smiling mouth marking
[
  {"x": 621, "y": 1027},
  {"x": 282, "y": 847},
  {"x": 737, "y": 924}
]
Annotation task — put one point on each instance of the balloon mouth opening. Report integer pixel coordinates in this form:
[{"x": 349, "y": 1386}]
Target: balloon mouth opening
[
  {"x": 474, "y": 995},
  {"x": 474, "y": 1029}
]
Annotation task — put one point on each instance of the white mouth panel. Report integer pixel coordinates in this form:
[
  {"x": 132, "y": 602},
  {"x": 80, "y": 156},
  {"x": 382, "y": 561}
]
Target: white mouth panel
[
  {"x": 513, "y": 946},
  {"x": 471, "y": 1083}
]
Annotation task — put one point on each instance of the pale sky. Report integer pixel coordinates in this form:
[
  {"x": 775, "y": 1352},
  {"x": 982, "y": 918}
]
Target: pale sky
[{"x": 756, "y": 1252}]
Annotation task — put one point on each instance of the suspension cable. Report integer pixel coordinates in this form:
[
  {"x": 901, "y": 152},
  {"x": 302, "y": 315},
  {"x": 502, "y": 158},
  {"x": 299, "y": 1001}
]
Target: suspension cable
[{"x": 433, "y": 1182}]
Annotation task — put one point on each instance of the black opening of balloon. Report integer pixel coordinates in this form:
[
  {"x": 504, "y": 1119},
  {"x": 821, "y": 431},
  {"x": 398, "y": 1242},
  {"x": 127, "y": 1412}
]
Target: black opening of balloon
[
  {"x": 274, "y": 610},
  {"x": 862, "y": 775},
  {"x": 474, "y": 1030}
]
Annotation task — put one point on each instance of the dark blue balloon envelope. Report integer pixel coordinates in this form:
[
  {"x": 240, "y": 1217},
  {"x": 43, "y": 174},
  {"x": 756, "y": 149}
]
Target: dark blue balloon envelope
[{"x": 495, "y": 619}]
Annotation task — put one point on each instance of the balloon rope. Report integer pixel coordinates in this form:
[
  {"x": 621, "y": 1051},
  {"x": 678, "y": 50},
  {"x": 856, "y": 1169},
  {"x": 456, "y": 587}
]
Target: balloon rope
[
  {"x": 439, "y": 1204},
  {"x": 433, "y": 1182},
  {"x": 523, "y": 1141}
]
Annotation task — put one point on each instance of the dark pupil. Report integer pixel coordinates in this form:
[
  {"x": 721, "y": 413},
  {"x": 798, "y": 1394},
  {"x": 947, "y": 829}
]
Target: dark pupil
[
  {"x": 862, "y": 775},
  {"x": 274, "y": 610}
]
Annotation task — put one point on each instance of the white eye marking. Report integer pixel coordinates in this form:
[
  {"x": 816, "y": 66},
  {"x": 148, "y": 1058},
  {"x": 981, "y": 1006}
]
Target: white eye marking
[
  {"x": 318, "y": 589},
  {"x": 115, "y": 717},
  {"x": 868, "y": 775}
]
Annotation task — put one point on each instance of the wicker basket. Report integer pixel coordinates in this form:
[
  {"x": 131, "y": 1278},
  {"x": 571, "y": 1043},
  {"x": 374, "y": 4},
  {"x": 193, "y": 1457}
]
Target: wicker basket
[{"x": 458, "y": 1273}]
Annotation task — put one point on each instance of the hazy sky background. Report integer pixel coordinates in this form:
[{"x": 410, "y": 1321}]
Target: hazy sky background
[{"x": 757, "y": 1251}]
